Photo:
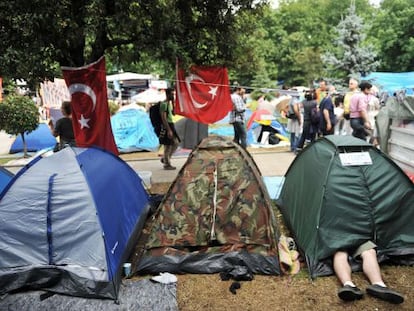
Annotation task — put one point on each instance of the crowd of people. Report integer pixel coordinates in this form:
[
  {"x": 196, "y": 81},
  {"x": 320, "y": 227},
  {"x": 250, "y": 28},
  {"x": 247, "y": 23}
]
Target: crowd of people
[
  {"x": 324, "y": 111},
  {"x": 319, "y": 112}
]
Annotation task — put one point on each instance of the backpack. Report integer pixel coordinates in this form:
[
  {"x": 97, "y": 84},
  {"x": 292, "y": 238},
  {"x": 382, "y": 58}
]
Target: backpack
[
  {"x": 315, "y": 115},
  {"x": 291, "y": 112},
  {"x": 155, "y": 117}
]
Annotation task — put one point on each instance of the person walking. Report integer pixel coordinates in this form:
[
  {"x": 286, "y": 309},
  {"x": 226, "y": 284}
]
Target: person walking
[
  {"x": 327, "y": 120},
  {"x": 360, "y": 123},
  {"x": 294, "y": 125},
  {"x": 168, "y": 135},
  {"x": 310, "y": 126},
  {"x": 353, "y": 89},
  {"x": 237, "y": 117}
]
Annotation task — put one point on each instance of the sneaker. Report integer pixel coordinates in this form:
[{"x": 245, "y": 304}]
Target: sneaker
[
  {"x": 162, "y": 160},
  {"x": 169, "y": 167},
  {"x": 385, "y": 293},
  {"x": 350, "y": 293}
]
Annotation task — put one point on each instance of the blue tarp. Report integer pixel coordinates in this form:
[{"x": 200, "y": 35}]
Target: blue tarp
[
  {"x": 133, "y": 131},
  {"x": 40, "y": 138},
  {"x": 391, "y": 82}
]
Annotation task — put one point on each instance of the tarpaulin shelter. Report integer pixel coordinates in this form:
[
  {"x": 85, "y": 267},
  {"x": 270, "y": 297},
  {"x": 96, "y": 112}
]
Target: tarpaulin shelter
[
  {"x": 392, "y": 82},
  {"x": 340, "y": 192},
  {"x": 40, "y": 138},
  {"x": 395, "y": 124},
  {"x": 68, "y": 223},
  {"x": 216, "y": 215},
  {"x": 133, "y": 131}
]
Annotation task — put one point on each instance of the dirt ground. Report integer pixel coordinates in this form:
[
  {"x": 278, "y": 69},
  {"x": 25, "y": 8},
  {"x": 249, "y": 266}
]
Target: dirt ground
[{"x": 290, "y": 293}]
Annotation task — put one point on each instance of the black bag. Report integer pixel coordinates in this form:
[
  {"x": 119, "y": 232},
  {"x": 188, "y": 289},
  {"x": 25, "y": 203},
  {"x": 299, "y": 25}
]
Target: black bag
[
  {"x": 291, "y": 112},
  {"x": 155, "y": 117},
  {"x": 273, "y": 139},
  {"x": 315, "y": 115}
]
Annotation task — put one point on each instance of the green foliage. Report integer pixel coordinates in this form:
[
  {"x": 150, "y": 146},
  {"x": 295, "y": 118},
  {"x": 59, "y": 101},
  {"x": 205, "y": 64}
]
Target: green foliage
[
  {"x": 302, "y": 30},
  {"x": 393, "y": 29},
  {"x": 19, "y": 115},
  {"x": 259, "y": 45},
  {"x": 39, "y": 36},
  {"x": 351, "y": 57}
]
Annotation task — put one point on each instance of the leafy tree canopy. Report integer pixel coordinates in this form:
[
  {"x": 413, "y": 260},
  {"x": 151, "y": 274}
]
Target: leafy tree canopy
[
  {"x": 38, "y": 36},
  {"x": 351, "y": 58},
  {"x": 18, "y": 114},
  {"x": 393, "y": 30}
]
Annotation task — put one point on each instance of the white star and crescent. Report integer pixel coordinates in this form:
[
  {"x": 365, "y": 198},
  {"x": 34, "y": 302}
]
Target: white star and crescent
[
  {"x": 83, "y": 122},
  {"x": 213, "y": 91},
  {"x": 192, "y": 77},
  {"x": 83, "y": 88}
]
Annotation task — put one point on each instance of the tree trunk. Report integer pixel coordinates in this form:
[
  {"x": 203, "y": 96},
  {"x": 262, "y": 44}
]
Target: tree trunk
[{"x": 25, "y": 155}]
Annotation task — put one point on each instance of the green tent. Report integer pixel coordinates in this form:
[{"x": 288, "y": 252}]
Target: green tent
[{"x": 340, "y": 192}]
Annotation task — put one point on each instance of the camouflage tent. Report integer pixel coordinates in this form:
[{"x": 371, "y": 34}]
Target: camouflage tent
[{"x": 216, "y": 215}]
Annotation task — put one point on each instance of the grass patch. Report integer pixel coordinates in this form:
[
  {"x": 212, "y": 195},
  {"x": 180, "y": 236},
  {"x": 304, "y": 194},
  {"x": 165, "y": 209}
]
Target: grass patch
[{"x": 5, "y": 160}]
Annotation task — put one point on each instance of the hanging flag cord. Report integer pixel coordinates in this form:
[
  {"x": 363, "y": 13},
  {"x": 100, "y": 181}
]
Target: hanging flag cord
[{"x": 213, "y": 234}]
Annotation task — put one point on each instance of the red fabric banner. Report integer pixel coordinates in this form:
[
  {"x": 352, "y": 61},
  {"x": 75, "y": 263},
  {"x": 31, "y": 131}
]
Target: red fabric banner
[
  {"x": 90, "y": 111},
  {"x": 203, "y": 94}
]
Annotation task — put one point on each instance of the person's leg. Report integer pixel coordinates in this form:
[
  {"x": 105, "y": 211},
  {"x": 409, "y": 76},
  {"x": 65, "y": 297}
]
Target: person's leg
[
  {"x": 341, "y": 267},
  {"x": 173, "y": 148},
  {"x": 243, "y": 135},
  {"x": 305, "y": 134},
  {"x": 358, "y": 128},
  {"x": 343, "y": 271},
  {"x": 292, "y": 141},
  {"x": 370, "y": 266},
  {"x": 372, "y": 271},
  {"x": 166, "y": 157},
  {"x": 236, "y": 133},
  {"x": 240, "y": 135}
]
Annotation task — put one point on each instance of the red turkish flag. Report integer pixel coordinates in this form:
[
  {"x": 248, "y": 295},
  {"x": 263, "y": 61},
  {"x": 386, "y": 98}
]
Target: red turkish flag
[
  {"x": 90, "y": 111},
  {"x": 203, "y": 94}
]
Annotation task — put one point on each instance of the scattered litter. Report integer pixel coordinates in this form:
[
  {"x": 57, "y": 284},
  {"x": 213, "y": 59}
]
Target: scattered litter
[{"x": 165, "y": 278}]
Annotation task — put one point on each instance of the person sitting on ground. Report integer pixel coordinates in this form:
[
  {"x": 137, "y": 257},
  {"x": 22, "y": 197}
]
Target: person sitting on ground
[
  {"x": 349, "y": 292},
  {"x": 64, "y": 127}
]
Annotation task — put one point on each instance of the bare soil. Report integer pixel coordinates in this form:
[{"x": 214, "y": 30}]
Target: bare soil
[{"x": 208, "y": 292}]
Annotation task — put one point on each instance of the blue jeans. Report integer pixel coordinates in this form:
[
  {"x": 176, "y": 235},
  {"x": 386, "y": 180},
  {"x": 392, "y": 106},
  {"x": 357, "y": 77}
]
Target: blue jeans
[
  {"x": 240, "y": 134},
  {"x": 293, "y": 141},
  {"x": 357, "y": 125}
]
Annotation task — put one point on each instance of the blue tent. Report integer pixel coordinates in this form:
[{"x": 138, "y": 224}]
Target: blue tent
[
  {"x": 391, "y": 82},
  {"x": 68, "y": 222},
  {"x": 40, "y": 138},
  {"x": 133, "y": 131},
  {"x": 5, "y": 177}
]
